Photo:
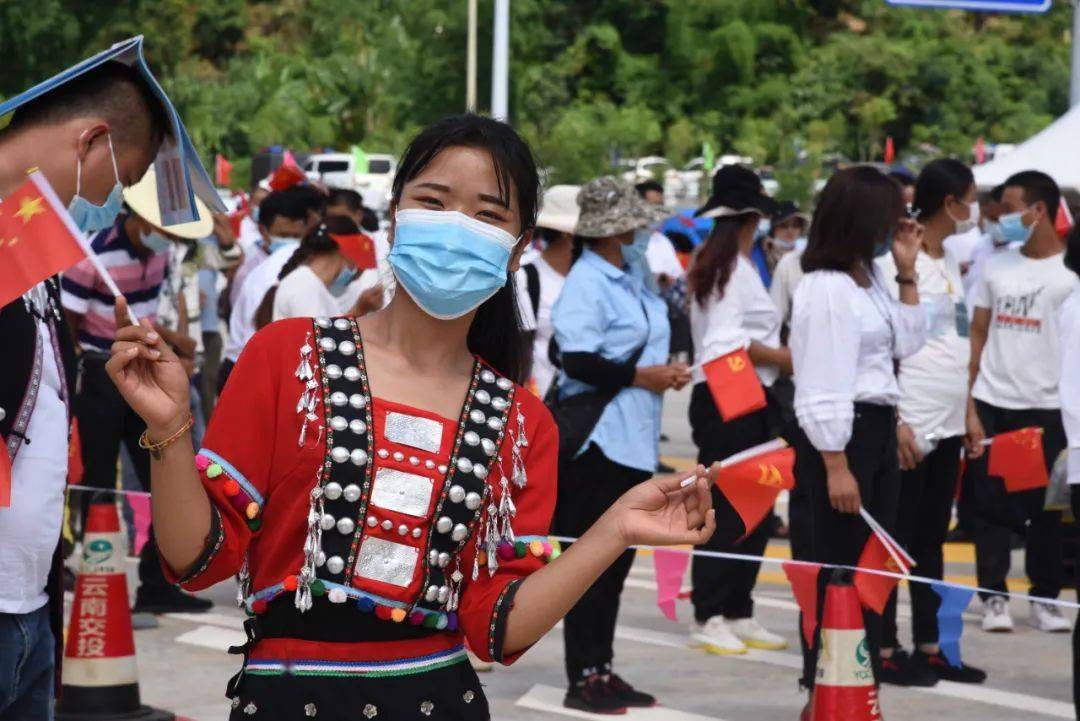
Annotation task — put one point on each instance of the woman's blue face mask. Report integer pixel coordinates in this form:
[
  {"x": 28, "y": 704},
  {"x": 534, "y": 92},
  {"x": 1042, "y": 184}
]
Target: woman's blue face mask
[
  {"x": 635, "y": 251},
  {"x": 448, "y": 262}
]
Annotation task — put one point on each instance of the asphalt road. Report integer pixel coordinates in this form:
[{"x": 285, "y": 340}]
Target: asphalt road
[{"x": 183, "y": 665}]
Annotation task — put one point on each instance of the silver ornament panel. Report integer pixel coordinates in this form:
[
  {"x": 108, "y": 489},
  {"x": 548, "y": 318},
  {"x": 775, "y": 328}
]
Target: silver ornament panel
[
  {"x": 403, "y": 492},
  {"x": 423, "y": 433},
  {"x": 386, "y": 561}
]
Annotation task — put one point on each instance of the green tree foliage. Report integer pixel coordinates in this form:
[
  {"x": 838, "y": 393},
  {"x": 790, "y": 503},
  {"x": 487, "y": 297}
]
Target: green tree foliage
[{"x": 787, "y": 82}]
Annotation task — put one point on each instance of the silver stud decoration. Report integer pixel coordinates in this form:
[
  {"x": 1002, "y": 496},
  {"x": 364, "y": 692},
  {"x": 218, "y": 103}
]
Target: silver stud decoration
[
  {"x": 340, "y": 454},
  {"x": 495, "y": 423},
  {"x": 358, "y": 456},
  {"x": 504, "y": 384},
  {"x": 320, "y": 559},
  {"x": 352, "y": 374},
  {"x": 426, "y": 708},
  {"x": 383, "y": 453},
  {"x": 487, "y": 376},
  {"x": 399, "y": 456},
  {"x": 335, "y": 565},
  {"x": 480, "y": 471},
  {"x": 341, "y": 324},
  {"x": 333, "y": 372},
  {"x": 346, "y": 347},
  {"x": 433, "y": 557},
  {"x": 482, "y": 396},
  {"x": 357, "y": 401},
  {"x": 357, "y": 426},
  {"x": 338, "y": 398},
  {"x": 489, "y": 446},
  {"x": 352, "y": 493},
  {"x": 459, "y": 532},
  {"x": 473, "y": 501},
  {"x": 322, "y": 322},
  {"x": 456, "y": 494},
  {"x": 444, "y": 525},
  {"x": 444, "y": 560},
  {"x": 429, "y": 464},
  {"x": 235, "y": 701},
  {"x": 442, "y": 468},
  {"x": 338, "y": 423},
  {"x": 327, "y": 521},
  {"x": 499, "y": 403},
  {"x": 251, "y": 708},
  {"x": 402, "y": 530},
  {"x": 310, "y": 710},
  {"x": 468, "y": 696},
  {"x": 414, "y": 461},
  {"x": 372, "y": 521},
  {"x": 387, "y": 524},
  {"x": 337, "y": 595},
  {"x": 332, "y": 490},
  {"x": 417, "y": 532},
  {"x": 327, "y": 344},
  {"x": 431, "y": 594},
  {"x": 477, "y": 416},
  {"x": 370, "y": 711},
  {"x": 464, "y": 465},
  {"x": 346, "y": 526},
  {"x": 471, "y": 438}
]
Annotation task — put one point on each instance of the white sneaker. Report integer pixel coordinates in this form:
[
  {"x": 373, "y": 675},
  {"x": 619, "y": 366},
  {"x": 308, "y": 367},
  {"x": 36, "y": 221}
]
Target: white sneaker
[
  {"x": 1047, "y": 617},
  {"x": 715, "y": 637},
  {"x": 996, "y": 618},
  {"x": 754, "y": 635}
]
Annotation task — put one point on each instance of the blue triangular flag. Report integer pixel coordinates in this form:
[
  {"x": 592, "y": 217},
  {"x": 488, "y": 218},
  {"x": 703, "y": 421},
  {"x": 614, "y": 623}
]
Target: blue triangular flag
[
  {"x": 954, "y": 601},
  {"x": 180, "y": 173}
]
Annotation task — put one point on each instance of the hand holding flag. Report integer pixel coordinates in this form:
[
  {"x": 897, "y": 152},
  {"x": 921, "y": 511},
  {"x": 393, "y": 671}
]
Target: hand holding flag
[{"x": 751, "y": 480}]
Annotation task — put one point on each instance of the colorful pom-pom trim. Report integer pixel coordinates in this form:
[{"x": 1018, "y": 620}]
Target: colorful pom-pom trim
[
  {"x": 540, "y": 547},
  {"x": 238, "y": 493}
]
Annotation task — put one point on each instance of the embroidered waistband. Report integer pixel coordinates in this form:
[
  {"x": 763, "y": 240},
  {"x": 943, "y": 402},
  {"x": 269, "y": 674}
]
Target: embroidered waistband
[{"x": 361, "y": 669}]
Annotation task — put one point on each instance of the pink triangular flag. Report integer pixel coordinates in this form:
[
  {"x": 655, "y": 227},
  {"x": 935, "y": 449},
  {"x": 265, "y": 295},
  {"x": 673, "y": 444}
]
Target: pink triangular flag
[
  {"x": 289, "y": 159},
  {"x": 670, "y": 566}
]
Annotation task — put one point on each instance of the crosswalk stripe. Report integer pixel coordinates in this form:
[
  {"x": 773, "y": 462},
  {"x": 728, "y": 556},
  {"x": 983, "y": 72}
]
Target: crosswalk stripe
[{"x": 549, "y": 700}]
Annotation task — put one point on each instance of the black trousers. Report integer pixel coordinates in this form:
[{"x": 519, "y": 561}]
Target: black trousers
[
  {"x": 922, "y": 522},
  {"x": 722, "y": 587},
  {"x": 821, "y": 534},
  {"x": 106, "y": 421},
  {"x": 223, "y": 373},
  {"x": 997, "y": 514},
  {"x": 588, "y": 486}
]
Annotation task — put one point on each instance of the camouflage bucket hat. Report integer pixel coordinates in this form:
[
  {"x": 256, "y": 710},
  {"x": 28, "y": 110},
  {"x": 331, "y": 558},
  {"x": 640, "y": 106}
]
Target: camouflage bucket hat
[{"x": 610, "y": 206}]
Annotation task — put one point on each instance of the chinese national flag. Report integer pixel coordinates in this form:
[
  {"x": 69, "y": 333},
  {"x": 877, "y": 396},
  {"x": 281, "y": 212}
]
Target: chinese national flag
[
  {"x": 286, "y": 176},
  {"x": 37, "y": 238},
  {"x": 222, "y": 171},
  {"x": 873, "y": 589},
  {"x": 1017, "y": 458},
  {"x": 734, "y": 385},
  {"x": 752, "y": 484},
  {"x": 357, "y": 247}
]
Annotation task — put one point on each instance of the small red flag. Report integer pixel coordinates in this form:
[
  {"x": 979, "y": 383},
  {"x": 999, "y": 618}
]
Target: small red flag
[
  {"x": 1017, "y": 458},
  {"x": 734, "y": 385},
  {"x": 222, "y": 171},
  {"x": 357, "y": 247},
  {"x": 980, "y": 151},
  {"x": 286, "y": 176},
  {"x": 1063, "y": 223},
  {"x": 803, "y": 578},
  {"x": 752, "y": 484},
  {"x": 873, "y": 589},
  {"x": 890, "y": 150},
  {"x": 37, "y": 238},
  {"x": 75, "y": 464},
  {"x": 5, "y": 477}
]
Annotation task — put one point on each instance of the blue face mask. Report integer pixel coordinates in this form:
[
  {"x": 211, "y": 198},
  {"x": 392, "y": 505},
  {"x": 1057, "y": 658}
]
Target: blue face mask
[
  {"x": 634, "y": 252},
  {"x": 91, "y": 218},
  {"x": 1013, "y": 229},
  {"x": 277, "y": 242},
  {"x": 155, "y": 242},
  {"x": 448, "y": 262},
  {"x": 800, "y": 243},
  {"x": 993, "y": 229},
  {"x": 341, "y": 283}
]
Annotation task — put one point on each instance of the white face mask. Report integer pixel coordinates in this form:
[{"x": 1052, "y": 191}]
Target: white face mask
[{"x": 972, "y": 221}]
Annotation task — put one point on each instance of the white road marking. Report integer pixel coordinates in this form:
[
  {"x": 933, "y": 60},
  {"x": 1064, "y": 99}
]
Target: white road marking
[
  {"x": 549, "y": 700},
  {"x": 214, "y": 619},
  {"x": 965, "y": 692},
  {"x": 213, "y": 637}
]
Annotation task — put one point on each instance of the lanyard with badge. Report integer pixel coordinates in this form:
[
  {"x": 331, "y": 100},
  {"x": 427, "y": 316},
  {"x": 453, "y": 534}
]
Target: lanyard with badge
[{"x": 959, "y": 307}]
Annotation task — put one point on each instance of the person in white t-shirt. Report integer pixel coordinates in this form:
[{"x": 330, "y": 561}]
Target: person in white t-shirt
[
  {"x": 930, "y": 426},
  {"x": 730, "y": 310},
  {"x": 540, "y": 282},
  {"x": 321, "y": 281},
  {"x": 992, "y": 242},
  {"x": 1015, "y": 371}
]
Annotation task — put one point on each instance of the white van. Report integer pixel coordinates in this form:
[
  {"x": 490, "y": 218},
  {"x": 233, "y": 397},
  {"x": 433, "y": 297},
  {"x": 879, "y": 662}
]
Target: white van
[{"x": 338, "y": 170}]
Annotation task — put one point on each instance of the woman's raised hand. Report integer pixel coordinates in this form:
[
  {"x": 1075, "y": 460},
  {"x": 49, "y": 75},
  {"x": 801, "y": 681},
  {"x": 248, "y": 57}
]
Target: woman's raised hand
[{"x": 667, "y": 511}]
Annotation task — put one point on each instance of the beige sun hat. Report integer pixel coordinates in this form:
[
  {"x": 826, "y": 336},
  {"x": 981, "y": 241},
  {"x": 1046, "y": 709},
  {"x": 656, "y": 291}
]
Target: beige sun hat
[
  {"x": 611, "y": 206},
  {"x": 143, "y": 200},
  {"x": 560, "y": 210}
]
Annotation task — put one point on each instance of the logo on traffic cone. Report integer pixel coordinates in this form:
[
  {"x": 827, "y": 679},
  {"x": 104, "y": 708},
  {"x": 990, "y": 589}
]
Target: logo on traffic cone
[
  {"x": 844, "y": 688},
  {"x": 100, "y": 678}
]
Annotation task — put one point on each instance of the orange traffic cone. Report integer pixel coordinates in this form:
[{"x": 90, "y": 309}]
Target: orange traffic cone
[
  {"x": 844, "y": 688},
  {"x": 100, "y": 678}
]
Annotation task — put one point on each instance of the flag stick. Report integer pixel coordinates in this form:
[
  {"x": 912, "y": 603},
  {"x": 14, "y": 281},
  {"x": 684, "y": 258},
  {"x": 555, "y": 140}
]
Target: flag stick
[
  {"x": 886, "y": 540},
  {"x": 880, "y": 530}
]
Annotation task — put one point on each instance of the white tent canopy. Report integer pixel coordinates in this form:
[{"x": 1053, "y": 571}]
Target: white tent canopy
[{"x": 1055, "y": 150}]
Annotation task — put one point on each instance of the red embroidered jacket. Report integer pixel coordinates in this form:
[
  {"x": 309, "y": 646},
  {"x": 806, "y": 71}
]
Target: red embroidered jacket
[{"x": 324, "y": 496}]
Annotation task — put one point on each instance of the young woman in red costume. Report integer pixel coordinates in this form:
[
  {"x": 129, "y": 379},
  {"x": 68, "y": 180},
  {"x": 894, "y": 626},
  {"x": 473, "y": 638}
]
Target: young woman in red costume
[{"x": 383, "y": 486}]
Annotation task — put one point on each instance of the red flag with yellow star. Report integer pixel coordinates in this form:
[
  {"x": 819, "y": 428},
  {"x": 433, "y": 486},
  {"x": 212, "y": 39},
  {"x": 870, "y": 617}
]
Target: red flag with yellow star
[
  {"x": 1017, "y": 458},
  {"x": 752, "y": 480},
  {"x": 357, "y": 247},
  {"x": 874, "y": 590},
  {"x": 734, "y": 385},
  {"x": 37, "y": 238}
]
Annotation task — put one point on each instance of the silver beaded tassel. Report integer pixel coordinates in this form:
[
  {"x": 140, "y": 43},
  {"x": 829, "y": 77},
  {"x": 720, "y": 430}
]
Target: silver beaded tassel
[
  {"x": 309, "y": 396},
  {"x": 312, "y": 547},
  {"x": 520, "y": 441},
  {"x": 243, "y": 583},
  {"x": 455, "y": 587}
]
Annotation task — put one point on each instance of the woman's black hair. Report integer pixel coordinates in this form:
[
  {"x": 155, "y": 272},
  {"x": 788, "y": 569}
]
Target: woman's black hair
[
  {"x": 857, "y": 210},
  {"x": 316, "y": 242},
  {"x": 1072, "y": 249},
  {"x": 495, "y": 334},
  {"x": 715, "y": 260},
  {"x": 937, "y": 181}
]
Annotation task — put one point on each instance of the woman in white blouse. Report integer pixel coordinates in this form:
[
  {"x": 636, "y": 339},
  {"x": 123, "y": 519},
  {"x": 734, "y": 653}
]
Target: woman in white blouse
[
  {"x": 730, "y": 310},
  {"x": 846, "y": 331},
  {"x": 930, "y": 425}
]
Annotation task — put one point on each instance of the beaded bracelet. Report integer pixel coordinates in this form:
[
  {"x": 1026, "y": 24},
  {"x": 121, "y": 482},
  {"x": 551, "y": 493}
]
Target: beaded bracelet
[{"x": 156, "y": 448}]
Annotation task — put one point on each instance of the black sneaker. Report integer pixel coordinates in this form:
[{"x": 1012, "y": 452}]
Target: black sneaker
[
  {"x": 168, "y": 600},
  {"x": 594, "y": 696},
  {"x": 628, "y": 694},
  {"x": 940, "y": 666},
  {"x": 899, "y": 670}
]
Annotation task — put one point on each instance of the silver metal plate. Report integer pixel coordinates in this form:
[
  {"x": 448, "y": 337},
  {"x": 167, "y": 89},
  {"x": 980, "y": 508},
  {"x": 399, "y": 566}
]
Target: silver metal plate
[
  {"x": 386, "y": 561},
  {"x": 403, "y": 492},
  {"x": 422, "y": 433}
]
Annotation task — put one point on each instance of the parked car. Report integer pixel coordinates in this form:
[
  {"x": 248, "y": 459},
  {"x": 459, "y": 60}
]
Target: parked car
[{"x": 338, "y": 170}]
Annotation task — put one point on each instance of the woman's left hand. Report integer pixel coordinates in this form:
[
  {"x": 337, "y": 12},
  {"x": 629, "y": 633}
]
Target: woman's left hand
[
  {"x": 906, "y": 243},
  {"x": 663, "y": 512}
]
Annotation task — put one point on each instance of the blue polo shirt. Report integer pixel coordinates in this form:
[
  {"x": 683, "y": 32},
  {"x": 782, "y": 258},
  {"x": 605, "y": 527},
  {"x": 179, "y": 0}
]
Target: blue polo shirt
[{"x": 608, "y": 310}]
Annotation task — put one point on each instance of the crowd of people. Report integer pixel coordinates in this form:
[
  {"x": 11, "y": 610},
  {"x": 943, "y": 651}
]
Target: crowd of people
[{"x": 380, "y": 453}]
